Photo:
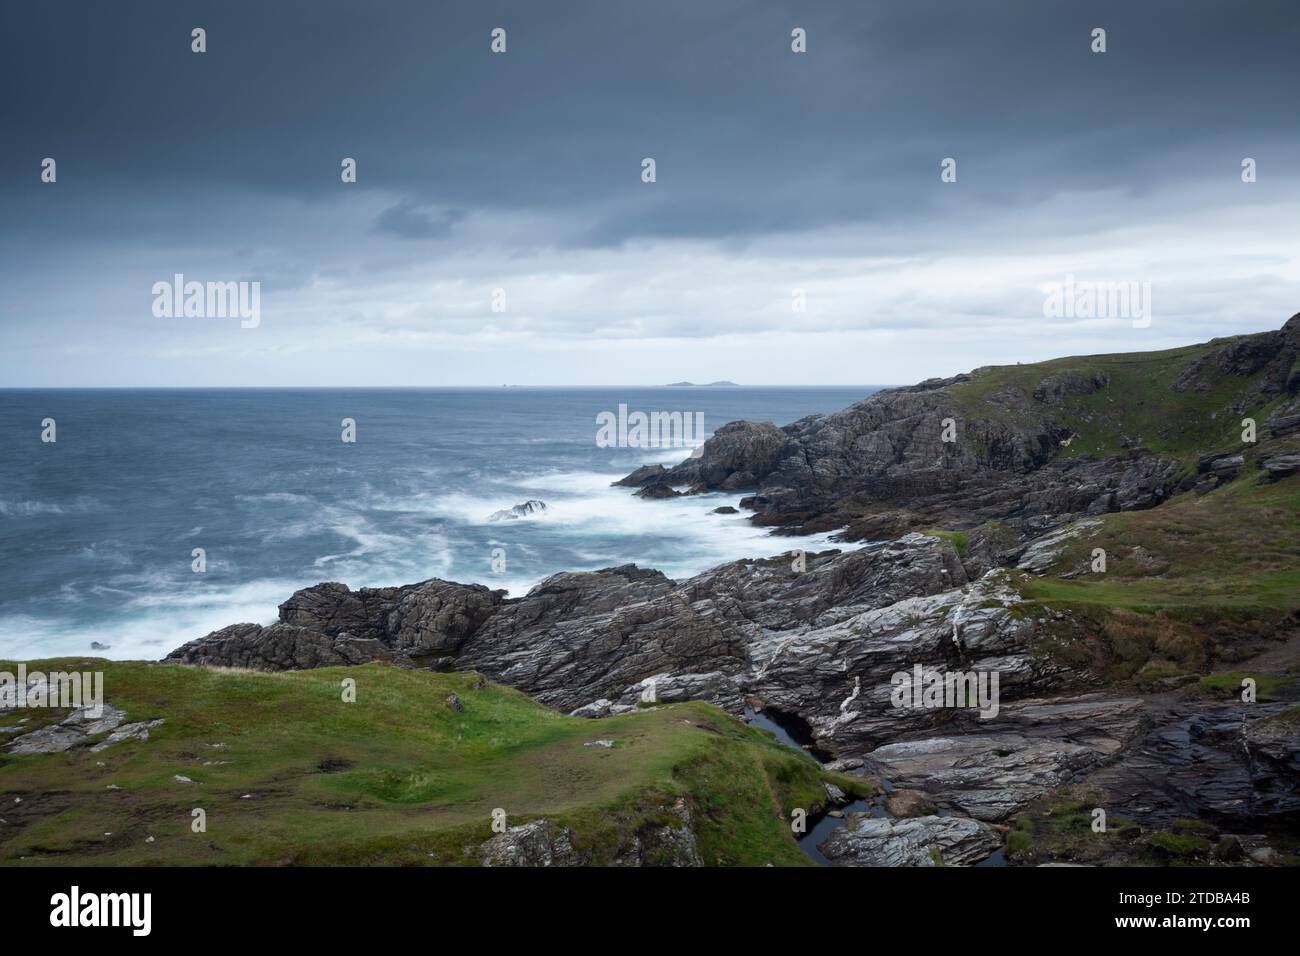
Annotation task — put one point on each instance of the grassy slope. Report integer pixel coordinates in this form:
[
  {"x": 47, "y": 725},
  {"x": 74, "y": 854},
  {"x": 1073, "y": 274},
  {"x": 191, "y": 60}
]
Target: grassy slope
[
  {"x": 1216, "y": 581},
  {"x": 396, "y": 778},
  {"x": 1236, "y": 547},
  {"x": 1138, "y": 403},
  {"x": 1213, "y": 570}
]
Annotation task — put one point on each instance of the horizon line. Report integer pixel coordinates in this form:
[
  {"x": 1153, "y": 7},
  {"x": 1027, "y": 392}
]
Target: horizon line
[{"x": 396, "y": 388}]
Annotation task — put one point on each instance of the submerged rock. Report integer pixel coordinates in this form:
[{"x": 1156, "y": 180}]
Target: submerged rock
[{"x": 530, "y": 507}]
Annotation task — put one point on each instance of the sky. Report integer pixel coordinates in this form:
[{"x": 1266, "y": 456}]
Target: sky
[{"x": 779, "y": 176}]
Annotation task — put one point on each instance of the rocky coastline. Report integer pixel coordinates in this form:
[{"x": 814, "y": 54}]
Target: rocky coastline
[{"x": 962, "y": 534}]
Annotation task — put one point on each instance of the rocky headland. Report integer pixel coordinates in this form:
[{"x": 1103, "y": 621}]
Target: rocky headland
[{"x": 1157, "y": 683}]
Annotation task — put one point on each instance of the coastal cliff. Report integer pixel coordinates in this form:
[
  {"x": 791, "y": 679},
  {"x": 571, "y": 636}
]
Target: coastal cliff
[{"x": 1031, "y": 446}]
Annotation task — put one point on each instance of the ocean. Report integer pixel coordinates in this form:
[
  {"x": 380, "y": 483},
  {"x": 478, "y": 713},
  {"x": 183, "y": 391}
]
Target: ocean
[{"x": 98, "y": 528}]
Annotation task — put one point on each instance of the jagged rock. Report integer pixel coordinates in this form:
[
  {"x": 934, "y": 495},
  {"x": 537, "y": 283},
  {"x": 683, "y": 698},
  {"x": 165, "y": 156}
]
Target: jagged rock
[
  {"x": 645, "y": 475},
  {"x": 667, "y": 844},
  {"x": 799, "y": 640},
  {"x": 332, "y": 609},
  {"x": 1283, "y": 424},
  {"x": 542, "y": 843},
  {"x": 991, "y": 545},
  {"x": 329, "y": 624},
  {"x": 277, "y": 647},
  {"x": 435, "y": 618},
  {"x": 725, "y": 510},
  {"x": 1041, "y": 553},
  {"x": 454, "y": 703},
  {"x": 537, "y": 843},
  {"x": 1226, "y": 467},
  {"x": 578, "y": 638},
  {"x": 920, "y": 841},
  {"x": 1281, "y": 465},
  {"x": 738, "y": 455},
  {"x": 658, "y": 491},
  {"x": 1054, "y": 388},
  {"x": 530, "y": 507}
]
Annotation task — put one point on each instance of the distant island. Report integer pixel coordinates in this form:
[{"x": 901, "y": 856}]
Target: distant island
[{"x": 702, "y": 385}]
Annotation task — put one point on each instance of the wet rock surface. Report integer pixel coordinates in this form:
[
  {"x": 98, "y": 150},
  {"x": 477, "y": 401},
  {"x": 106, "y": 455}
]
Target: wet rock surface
[
  {"x": 1232, "y": 763},
  {"x": 524, "y": 509}
]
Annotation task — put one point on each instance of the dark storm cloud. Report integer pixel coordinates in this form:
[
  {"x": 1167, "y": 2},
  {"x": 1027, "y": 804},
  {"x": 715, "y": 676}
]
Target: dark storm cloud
[
  {"x": 522, "y": 172},
  {"x": 749, "y": 139}
]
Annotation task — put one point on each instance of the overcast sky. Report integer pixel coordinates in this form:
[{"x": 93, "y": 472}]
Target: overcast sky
[{"x": 521, "y": 171}]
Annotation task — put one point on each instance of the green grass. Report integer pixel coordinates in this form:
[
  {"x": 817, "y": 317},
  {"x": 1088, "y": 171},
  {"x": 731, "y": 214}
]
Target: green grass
[
  {"x": 1217, "y": 579},
  {"x": 398, "y": 777},
  {"x": 1268, "y": 687},
  {"x": 960, "y": 539},
  {"x": 1139, "y": 402},
  {"x": 1180, "y": 845},
  {"x": 1236, "y": 547}
]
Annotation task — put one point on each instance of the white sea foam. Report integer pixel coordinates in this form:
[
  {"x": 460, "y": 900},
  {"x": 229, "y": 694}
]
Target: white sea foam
[
  {"x": 599, "y": 525},
  {"x": 150, "y": 626},
  {"x": 588, "y": 524},
  {"x": 13, "y": 508}
]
